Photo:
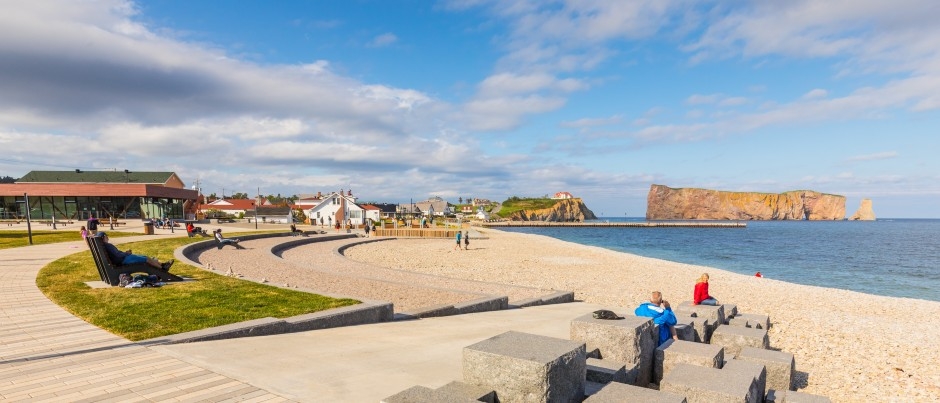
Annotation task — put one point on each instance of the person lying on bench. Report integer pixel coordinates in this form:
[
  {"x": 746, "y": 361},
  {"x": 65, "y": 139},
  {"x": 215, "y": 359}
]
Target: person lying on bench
[
  {"x": 225, "y": 241},
  {"x": 126, "y": 257}
]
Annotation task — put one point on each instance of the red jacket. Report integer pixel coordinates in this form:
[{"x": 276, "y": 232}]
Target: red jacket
[{"x": 701, "y": 293}]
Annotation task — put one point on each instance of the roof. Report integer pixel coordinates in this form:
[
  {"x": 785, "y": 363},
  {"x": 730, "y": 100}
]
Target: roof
[
  {"x": 230, "y": 204},
  {"x": 79, "y": 176},
  {"x": 370, "y": 207}
]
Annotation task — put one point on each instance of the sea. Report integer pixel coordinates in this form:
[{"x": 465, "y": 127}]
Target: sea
[{"x": 891, "y": 257}]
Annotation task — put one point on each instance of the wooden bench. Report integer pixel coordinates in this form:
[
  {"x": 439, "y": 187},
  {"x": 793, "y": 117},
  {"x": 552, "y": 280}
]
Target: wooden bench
[{"x": 110, "y": 272}]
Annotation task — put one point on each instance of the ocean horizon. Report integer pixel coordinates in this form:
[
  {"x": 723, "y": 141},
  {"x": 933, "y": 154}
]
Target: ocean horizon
[{"x": 891, "y": 257}]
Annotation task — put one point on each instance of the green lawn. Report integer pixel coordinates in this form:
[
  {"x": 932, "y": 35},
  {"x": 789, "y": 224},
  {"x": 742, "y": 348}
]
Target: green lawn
[
  {"x": 514, "y": 204},
  {"x": 143, "y": 313},
  {"x": 15, "y": 239}
]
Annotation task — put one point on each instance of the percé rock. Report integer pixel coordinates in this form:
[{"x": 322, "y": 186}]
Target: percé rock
[
  {"x": 665, "y": 203},
  {"x": 864, "y": 213},
  {"x": 566, "y": 210}
]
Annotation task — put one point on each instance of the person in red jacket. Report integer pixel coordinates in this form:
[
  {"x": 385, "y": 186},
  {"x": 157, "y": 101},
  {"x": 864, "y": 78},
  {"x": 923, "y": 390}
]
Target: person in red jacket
[{"x": 701, "y": 296}]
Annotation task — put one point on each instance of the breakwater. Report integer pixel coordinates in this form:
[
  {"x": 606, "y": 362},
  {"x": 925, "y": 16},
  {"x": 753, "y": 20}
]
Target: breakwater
[{"x": 643, "y": 224}]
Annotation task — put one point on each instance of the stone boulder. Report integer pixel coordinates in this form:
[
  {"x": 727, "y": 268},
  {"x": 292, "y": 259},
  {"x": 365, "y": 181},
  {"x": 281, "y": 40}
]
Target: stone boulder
[
  {"x": 864, "y": 212},
  {"x": 665, "y": 203}
]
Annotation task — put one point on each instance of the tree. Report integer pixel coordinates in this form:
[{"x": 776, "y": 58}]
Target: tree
[
  {"x": 7, "y": 179},
  {"x": 460, "y": 200},
  {"x": 300, "y": 216},
  {"x": 240, "y": 196}
]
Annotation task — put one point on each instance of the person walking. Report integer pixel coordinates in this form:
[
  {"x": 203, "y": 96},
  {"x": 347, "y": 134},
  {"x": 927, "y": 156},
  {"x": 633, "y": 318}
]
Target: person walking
[
  {"x": 93, "y": 224},
  {"x": 466, "y": 240},
  {"x": 458, "y": 241}
]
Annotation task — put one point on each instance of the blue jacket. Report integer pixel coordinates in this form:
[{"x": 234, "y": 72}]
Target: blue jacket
[{"x": 661, "y": 316}]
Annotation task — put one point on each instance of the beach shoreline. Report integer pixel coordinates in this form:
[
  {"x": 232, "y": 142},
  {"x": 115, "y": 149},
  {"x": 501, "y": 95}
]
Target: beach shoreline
[{"x": 848, "y": 345}]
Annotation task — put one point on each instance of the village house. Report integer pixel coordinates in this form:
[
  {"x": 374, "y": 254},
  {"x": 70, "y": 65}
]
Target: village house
[
  {"x": 337, "y": 207},
  {"x": 563, "y": 196}
]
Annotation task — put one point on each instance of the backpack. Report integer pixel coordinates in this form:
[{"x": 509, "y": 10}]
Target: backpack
[
  {"x": 606, "y": 315},
  {"x": 124, "y": 279}
]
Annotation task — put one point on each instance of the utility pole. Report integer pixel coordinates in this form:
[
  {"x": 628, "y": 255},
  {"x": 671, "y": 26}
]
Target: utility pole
[{"x": 257, "y": 200}]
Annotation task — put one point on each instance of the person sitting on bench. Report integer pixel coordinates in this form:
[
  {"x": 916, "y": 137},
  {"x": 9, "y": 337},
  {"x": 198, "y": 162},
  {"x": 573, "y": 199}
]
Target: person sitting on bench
[
  {"x": 192, "y": 230},
  {"x": 294, "y": 231},
  {"x": 225, "y": 241},
  {"x": 126, "y": 257}
]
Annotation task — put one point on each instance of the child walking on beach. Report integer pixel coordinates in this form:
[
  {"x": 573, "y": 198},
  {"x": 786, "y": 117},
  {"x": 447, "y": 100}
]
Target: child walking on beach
[{"x": 458, "y": 241}]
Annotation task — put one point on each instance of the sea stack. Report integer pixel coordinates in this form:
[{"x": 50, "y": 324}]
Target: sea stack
[{"x": 864, "y": 213}]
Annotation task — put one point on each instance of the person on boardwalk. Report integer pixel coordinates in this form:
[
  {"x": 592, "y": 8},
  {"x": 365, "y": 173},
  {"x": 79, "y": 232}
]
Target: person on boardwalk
[
  {"x": 466, "y": 240},
  {"x": 701, "y": 297},
  {"x": 226, "y": 241},
  {"x": 93, "y": 224},
  {"x": 659, "y": 309},
  {"x": 458, "y": 241},
  {"x": 126, "y": 257}
]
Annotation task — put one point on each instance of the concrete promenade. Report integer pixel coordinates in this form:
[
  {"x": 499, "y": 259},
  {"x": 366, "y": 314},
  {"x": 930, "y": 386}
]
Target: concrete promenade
[{"x": 46, "y": 354}]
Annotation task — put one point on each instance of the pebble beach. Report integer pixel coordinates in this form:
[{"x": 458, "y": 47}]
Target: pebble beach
[{"x": 849, "y": 346}]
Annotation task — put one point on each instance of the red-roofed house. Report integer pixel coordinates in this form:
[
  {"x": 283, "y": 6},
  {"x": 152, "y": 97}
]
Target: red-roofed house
[{"x": 563, "y": 195}]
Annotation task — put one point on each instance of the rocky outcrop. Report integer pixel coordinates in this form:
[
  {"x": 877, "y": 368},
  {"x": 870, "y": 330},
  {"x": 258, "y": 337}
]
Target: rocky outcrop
[
  {"x": 566, "y": 210},
  {"x": 665, "y": 203},
  {"x": 864, "y": 212}
]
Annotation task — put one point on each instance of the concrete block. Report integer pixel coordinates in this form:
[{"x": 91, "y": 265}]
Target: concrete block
[
  {"x": 630, "y": 340},
  {"x": 591, "y": 388},
  {"x": 780, "y": 366},
  {"x": 748, "y": 368},
  {"x": 495, "y": 303},
  {"x": 734, "y": 338},
  {"x": 592, "y": 351},
  {"x": 685, "y": 332},
  {"x": 710, "y": 385},
  {"x": 429, "y": 312},
  {"x": 750, "y": 320},
  {"x": 346, "y": 316},
  {"x": 674, "y": 352},
  {"x": 475, "y": 392},
  {"x": 730, "y": 310},
  {"x": 621, "y": 393},
  {"x": 421, "y": 394},
  {"x": 525, "y": 303},
  {"x": 606, "y": 371},
  {"x": 560, "y": 297},
  {"x": 527, "y": 368},
  {"x": 701, "y": 327},
  {"x": 715, "y": 314}
]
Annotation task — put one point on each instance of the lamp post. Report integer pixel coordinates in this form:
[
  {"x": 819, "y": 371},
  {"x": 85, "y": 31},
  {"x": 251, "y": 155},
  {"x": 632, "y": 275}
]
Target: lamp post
[
  {"x": 257, "y": 199},
  {"x": 29, "y": 226}
]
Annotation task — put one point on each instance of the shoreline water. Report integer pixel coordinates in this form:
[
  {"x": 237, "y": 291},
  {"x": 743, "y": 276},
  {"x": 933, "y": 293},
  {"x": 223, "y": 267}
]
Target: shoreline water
[
  {"x": 848, "y": 345},
  {"x": 899, "y": 258}
]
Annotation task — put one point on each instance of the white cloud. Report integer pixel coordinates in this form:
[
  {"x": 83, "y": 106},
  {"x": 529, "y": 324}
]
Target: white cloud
[
  {"x": 873, "y": 157},
  {"x": 589, "y": 122},
  {"x": 816, "y": 93},
  {"x": 385, "y": 39}
]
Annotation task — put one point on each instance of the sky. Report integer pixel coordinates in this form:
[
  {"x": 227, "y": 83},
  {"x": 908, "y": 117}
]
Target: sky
[{"x": 402, "y": 100}]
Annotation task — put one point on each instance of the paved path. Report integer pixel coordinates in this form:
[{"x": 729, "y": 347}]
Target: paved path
[{"x": 46, "y": 354}]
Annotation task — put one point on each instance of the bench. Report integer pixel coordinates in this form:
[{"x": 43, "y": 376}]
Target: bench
[
  {"x": 110, "y": 272},
  {"x": 222, "y": 220}
]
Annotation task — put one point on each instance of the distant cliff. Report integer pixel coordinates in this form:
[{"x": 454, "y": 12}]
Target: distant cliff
[
  {"x": 864, "y": 212},
  {"x": 566, "y": 210},
  {"x": 665, "y": 203}
]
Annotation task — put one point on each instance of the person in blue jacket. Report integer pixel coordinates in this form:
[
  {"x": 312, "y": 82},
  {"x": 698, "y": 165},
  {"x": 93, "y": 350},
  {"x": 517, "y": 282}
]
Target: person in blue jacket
[{"x": 658, "y": 309}]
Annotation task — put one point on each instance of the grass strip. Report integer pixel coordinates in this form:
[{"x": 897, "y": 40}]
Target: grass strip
[
  {"x": 18, "y": 238},
  {"x": 143, "y": 313}
]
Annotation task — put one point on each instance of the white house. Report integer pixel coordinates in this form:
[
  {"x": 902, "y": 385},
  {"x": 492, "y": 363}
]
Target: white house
[
  {"x": 336, "y": 207},
  {"x": 563, "y": 195}
]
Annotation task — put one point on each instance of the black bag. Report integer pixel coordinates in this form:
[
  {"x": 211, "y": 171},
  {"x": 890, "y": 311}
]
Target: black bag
[{"x": 606, "y": 314}]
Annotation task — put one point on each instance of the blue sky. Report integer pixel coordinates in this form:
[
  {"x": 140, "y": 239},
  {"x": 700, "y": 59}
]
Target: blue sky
[{"x": 478, "y": 98}]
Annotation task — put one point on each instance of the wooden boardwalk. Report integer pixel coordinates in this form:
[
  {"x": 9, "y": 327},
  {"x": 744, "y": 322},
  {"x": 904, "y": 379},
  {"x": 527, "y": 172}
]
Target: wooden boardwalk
[
  {"x": 621, "y": 224},
  {"x": 46, "y": 354}
]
